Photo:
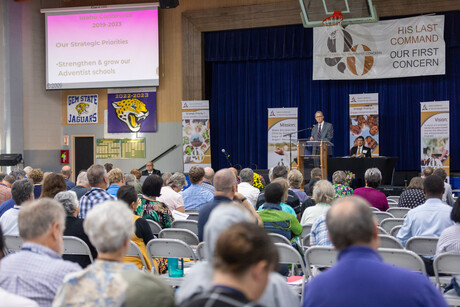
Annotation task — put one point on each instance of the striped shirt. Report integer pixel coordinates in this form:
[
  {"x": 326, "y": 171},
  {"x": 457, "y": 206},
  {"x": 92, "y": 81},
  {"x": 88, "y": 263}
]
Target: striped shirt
[
  {"x": 318, "y": 232},
  {"x": 93, "y": 197},
  {"x": 449, "y": 241},
  {"x": 36, "y": 272},
  {"x": 196, "y": 196}
]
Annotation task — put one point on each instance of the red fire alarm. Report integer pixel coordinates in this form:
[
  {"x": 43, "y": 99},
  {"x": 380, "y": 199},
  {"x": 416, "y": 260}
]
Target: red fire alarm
[{"x": 64, "y": 156}]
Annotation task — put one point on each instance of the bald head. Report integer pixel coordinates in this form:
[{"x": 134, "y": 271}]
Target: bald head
[
  {"x": 350, "y": 221},
  {"x": 66, "y": 171},
  {"x": 208, "y": 174},
  {"x": 224, "y": 181}
]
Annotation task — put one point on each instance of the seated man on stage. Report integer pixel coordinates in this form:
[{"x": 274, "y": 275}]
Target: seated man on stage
[{"x": 360, "y": 151}]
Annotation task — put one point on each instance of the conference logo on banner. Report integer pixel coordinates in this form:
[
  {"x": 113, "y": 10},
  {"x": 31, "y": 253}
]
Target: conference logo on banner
[
  {"x": 386, "y": 49},
  {"x": 435, "y": 135},
  {"x": 132, "y": 112},
  {"x": 281, "y": 121},
  {"x": 364, "y": 120},
  {"x": 82, "y": 109},
  {"x": 196, "y": 134}
]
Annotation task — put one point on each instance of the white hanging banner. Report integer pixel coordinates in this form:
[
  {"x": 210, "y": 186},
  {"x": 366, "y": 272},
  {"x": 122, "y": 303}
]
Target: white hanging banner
[
  {"x": 281, "y": 121},
  {"x": 435, "y": 135},
  {"x": 387, "y": 49}
]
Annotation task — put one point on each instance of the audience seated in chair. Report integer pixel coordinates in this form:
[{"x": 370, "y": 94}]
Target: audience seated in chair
[
  {"x": 74, "y": 226},
  {"x": 109, "y": 281},
  {"x": 169, "y": 194},
  {"x": 149, "y": 207},
  {"x": 82, "y": 185},
  {"x": 413, "y": 196},
  {"x": 116, "y": 180},
  {"x": 358, "y": 276},
  {"x": 38, "y": 270},
  {"x": 323, "y": 194},
  {"x": 196, "y": 195},
  {"x": 21, "y": 191},
  {"x": 373, "y": 178},
  {"x": 242, "y": 265},
  {"x": 199, "y": 279},
  {"x": 143, "y": 234}
]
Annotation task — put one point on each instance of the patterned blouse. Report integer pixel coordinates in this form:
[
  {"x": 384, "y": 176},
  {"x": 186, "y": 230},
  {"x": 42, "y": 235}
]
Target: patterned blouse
[
  {"x": 411, "y": 198},
  {"x": 342, "y": 190},
  {"x": 155, "y": 211}
]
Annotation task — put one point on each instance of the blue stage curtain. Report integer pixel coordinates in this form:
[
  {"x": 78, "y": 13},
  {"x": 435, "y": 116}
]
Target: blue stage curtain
[{"x": 248, "y": 71}]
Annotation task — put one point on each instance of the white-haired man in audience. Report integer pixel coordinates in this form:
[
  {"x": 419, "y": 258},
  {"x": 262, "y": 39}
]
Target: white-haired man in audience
[
  {"x": 37, "y": 271},
  {"x": 109, "y": 281},
  {"x": 82, "y": 185},
  {"x": 22, "y": 191},
  {"x": 97, "y": 178},
  {"x": 358, "y": 276},
  {"x": 170, "y": 195},
  {"x": 245, "y": 186}
]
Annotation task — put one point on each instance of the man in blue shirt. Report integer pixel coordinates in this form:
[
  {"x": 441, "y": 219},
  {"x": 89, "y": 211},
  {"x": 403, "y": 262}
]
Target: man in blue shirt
[
  {"x": 196, "y": 195},
  {"x": 360, "y": 277},
  {"x": 226, "y": 191},
  {"x": 431, "y": 218},
  {"x": 66, "y": 172}
]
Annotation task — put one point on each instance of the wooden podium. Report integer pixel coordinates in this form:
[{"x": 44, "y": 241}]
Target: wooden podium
[{"x": 313, "y": 154}]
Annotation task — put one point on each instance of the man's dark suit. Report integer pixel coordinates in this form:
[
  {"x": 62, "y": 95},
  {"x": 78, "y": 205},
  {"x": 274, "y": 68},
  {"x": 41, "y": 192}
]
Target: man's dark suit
[
  {"x": 154, "y": 172},
  {"x": 327, "y": 132},
  {"x": 366, "y": 151}
]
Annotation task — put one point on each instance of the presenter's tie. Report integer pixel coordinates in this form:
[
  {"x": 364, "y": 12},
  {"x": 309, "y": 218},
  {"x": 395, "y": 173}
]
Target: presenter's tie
[
  {"x": 359, "y": 150},
  {"x": 318, "y": 136}
]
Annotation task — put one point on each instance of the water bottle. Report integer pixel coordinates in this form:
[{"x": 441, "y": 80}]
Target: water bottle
[{"x": 176, "y": 267}]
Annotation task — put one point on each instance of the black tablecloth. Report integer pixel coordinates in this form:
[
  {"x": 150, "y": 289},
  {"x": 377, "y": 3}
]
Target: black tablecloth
[{"x": 358, "y": 166}]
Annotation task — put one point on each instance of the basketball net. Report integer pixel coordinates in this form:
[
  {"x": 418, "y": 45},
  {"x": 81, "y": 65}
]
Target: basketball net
[{"x": 333, "y": 24}]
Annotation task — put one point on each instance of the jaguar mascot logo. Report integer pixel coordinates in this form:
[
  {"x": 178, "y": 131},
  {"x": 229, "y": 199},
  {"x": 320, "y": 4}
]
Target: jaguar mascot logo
[
  {"x": 82, "y": 108},
  {"x": 131, "y": 112}
]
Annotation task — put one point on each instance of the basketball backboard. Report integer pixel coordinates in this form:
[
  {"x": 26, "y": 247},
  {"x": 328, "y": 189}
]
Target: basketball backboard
[{"x": 313, "y": 12}]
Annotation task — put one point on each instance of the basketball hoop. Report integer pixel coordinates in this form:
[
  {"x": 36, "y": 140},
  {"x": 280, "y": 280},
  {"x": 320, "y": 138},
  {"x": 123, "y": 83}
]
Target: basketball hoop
[{"x": 332, "y": 23}]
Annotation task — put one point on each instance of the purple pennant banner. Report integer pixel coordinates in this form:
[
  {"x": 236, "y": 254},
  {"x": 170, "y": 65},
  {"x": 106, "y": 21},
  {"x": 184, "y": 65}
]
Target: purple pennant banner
[{"x": 132, "y": 112}]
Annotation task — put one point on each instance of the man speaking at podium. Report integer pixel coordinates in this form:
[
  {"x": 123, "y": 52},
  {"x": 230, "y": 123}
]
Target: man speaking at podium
[
  {"x": 322, "y": 131},
  {"x": 360, "y": 151}
]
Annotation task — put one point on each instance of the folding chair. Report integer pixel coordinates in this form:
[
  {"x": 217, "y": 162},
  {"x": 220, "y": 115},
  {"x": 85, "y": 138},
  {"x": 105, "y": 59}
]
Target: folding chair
[
  {"x": 188, "y": 211},
  {"x": 170, "y": 248},
  {"x": 403, "y": 258},
  {"x": 392, "y": 203},
  {"x": 393, "y": 197},
  {"x": 394, "y": 231},
  {"x": 306, "y": 230},
  {"x": 398, "y": 212},
  {"x": 184, "y": 235},
  {"x": 447, "y": 263},
  {"x": 76, "y": 246},
  {"x": 12, "y": 244},
  {"x": 200, "y": 251},
  {"x": 320, "y": 256},
  {"x": 187, "y": 224},
  {"x": 382, "y": 215},
  {"x": 135, "y": 251},
  {"x": 387, "y": 241},
  {"x": 154, "y": 226},
  {"x": 277, "y": 238},
  {"x": 289, "y": 255},
  {"x": 193, "y": 216},
  {"x": 424, "y": 246},
  {"x": 382, "y": 231},
  {"x": 391, "y": 222},
  {"x": 305, "y": 241},
  {"x": 375, "y": 209}
]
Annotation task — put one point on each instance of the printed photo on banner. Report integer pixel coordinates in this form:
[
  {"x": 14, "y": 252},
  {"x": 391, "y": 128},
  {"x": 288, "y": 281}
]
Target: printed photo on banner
[
  {"x": 196, "y": 135},
  {"x": 282, "y": 121},
  {"x": 132, "y": 112},
  {"x": 386, "y": 49},
  {"x": 364, "y": 121},
  {"x": 82, "y": 109},
  {"x": 435, "y": 135}
]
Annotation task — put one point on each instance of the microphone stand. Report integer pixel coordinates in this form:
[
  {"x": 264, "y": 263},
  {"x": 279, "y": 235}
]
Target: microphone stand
[
  {"x": 226, "y": 157},
  {"x": 290, "y": 143}
]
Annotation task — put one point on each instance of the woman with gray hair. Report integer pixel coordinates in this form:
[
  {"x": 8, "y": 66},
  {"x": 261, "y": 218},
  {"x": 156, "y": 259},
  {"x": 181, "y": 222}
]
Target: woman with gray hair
[
  {"x": 74, "y": 226},
  {"x": 109, "y": 281},
  {"x": 339, "y": 179},
  {"x": 295, "y": 179},
  {"x": 377, "y": 199},
  {"x": 169, "y": 194},
  {"x": 323, "y": 194}
]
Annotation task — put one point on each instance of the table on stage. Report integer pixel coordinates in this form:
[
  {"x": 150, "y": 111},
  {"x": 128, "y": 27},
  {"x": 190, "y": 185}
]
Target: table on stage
[{"x": 358, "y": 166}]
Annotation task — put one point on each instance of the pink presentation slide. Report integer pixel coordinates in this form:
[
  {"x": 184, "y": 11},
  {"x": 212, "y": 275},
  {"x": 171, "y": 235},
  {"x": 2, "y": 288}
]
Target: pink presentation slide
[{"x": 118, "y": 47}]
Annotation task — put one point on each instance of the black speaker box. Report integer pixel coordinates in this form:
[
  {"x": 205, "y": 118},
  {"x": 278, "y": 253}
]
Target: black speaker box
[
  {"x": 10, "y": 159},
  {"x": 168, "y": 4}
]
